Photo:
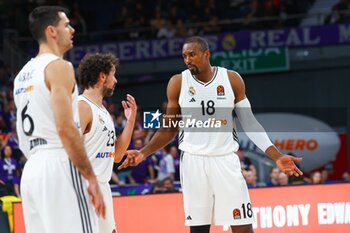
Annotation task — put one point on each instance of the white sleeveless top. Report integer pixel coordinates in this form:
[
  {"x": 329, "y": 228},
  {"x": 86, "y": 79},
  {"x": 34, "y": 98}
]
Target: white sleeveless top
[
  {"x": 36, "y": 126},
  {"x": 213, "y": 101},
  {"x": 100, "y": 141}
]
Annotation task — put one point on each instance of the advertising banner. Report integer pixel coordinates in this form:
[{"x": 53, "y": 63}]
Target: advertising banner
[
  {"x": 139, "y": 50},
  {"x": 290, "y": 209}
]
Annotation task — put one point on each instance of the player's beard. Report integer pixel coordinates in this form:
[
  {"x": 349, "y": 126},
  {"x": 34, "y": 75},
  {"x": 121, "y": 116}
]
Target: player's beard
[
  {"x": 108, "y": 92},
  {"x": 194, "y": 70}
]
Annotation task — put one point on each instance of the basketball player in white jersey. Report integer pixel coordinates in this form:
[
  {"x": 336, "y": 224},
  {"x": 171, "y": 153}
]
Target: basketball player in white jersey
[
  {"x": 97, "y": 78},
  {"x": 214, "y": 190},
  {"x": 55, "y": 195}
]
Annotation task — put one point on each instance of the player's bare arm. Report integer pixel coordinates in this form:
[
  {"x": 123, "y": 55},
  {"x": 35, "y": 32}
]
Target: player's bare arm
[
  {"x": 238, "y": 85},
  {"x": 122, "y": 143},
  {"x": 60, "y": 80},
  {"x": 285, "y": 162},
  {"x": 85, "y": 117},
  {"x": 163, "y": 136}
]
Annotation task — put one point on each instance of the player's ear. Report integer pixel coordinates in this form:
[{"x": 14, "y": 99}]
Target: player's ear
[
  {"x": 102, "y": 76},
  {"x": 50, "y": 31},
  {"x": 207, "y": 53}
]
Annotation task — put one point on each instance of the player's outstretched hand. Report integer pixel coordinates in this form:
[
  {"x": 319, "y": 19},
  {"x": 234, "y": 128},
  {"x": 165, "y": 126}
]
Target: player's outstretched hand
[
  {"x": 97, "y": 198},
  {"x": 287, "y": 165},
  {"x": 130, "y": 108},
  {"x": 133, "y": 158}
]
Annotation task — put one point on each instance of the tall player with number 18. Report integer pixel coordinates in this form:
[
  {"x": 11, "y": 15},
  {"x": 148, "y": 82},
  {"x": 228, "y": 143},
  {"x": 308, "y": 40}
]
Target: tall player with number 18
[{"x": 213, "y": 187}]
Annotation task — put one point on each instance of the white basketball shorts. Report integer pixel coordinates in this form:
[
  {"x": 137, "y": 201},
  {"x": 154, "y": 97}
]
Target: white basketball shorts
[
  {"x": 54, "y": 195},
  {"x": 107, "y": 225},
  {"x": 214, "y": 191}
]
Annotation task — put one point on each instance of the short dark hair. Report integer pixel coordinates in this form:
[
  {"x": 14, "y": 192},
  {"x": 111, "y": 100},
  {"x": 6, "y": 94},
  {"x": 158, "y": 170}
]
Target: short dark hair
[
  {"x": 41, "y": 17},
  {"x": 91, "y": 66},
  {"x": 203, "y": 44}
]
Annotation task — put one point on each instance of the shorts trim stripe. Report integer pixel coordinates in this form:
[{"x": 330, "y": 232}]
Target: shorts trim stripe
[
  {"x": 181, "y": 137},
  {"x": 235, "y": 136},
  {"x": 85, "y": 203},
  {"x": 82, "y": 210}
]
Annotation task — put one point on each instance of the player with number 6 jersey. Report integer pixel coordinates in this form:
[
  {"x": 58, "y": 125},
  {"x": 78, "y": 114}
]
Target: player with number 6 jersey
[
  {"x": 35, "y": 127},
  {"x": 57, "y": 178}
]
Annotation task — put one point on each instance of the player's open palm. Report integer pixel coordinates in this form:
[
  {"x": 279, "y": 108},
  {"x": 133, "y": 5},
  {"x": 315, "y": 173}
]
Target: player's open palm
[
  {"x": 130, "y": 107},
  {"x": 133, "y": 158},
  {"x": 97, "y": 198},
  {"x": 287, "y": 165}
]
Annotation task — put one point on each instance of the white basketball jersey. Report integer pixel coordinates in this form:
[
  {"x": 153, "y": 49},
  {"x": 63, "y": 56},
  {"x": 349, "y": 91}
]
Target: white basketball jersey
[
  {"x": 211, "y": 102},
  {"x": 35, "y": 119},
  {"x": 100, "y": 141}
]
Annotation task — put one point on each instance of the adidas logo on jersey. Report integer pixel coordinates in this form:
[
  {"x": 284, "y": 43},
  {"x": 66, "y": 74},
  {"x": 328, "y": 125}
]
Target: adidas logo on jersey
[
  {"x": 192, "y": 100},
  {"x": 188, "y": 217},
  {"x": 104, "y": 129}
]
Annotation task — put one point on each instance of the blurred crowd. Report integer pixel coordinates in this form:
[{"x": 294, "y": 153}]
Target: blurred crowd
[
  {"x": 162, "y": 18},
  {"x": 340, "y": 13},
  {"x": 12, "y": 159}
]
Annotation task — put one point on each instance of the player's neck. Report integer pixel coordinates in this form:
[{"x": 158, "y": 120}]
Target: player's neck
[
  {"x": 206, "y": 75},
  {"x": 94, "y": 95},
  {"x": 46, "y": 48}
]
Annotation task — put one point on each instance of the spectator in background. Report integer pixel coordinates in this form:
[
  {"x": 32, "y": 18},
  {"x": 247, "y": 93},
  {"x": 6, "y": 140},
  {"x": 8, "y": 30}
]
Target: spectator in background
[
  {"x": 115, "y": 178},
  {"x": 166, "y": 165},
  {"x": 168, "y": 184},
  {"x": 316, "y": 178},
  {"x": 346, "y": 176},
  {"x": 246, "y": 163},
  {"x": 174, "y": 14},
  {"x": 8, "y": 169},
  {"x": 180, "y": 30},
  {"x": 119, "y": 122},
  {"x": 77, "y": 20},
  {"x": 155, "y": 157},
  {"x": 174, "y": 152},
  {"x": 142, "y": 173},
  {"x": 3, "y": 126},
  {"x": 250, "y": 178},
  {"x": 158, "y": 187},
  {"x": 12, "y": 141},
  {"x": 271, "y": 8},
  {"x": 283, "y": 179},
  {"x": 157, "y": 22},
  {"x": 346, "y": 13},
  {"x": 274, "y": 177},
  {"x": 10, "y": 113},
  {"x": 164, "y": 186},
  {"x": 167, "y": 30},
  {"x": 324, "y": 176},
  {"x": 121, "y": 18},
  {"x": 254, "y": 13},
  {"x": 3, "y": 141},
  {"x": 340, "y": 13}
]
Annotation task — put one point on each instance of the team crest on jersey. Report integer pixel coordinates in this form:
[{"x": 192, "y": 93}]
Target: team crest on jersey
[
  {"x": 220, "y": 90},
  {"x": 191, "y": 91},
  {"x": 100, "y": 119},
  {"x": 236, "y": 214}
]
